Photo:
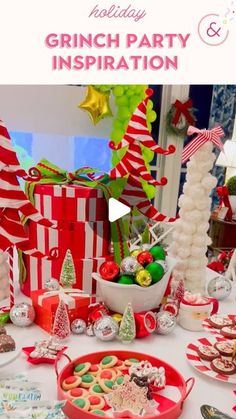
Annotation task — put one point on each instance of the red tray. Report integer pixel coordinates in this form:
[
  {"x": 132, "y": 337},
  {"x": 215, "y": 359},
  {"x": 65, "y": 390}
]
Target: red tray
[{"x": 169, "y": 409}]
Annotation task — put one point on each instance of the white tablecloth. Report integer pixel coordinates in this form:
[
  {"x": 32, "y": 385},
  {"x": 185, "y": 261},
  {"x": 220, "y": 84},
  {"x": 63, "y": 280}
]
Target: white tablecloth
[{"x": 170, "y": 348}]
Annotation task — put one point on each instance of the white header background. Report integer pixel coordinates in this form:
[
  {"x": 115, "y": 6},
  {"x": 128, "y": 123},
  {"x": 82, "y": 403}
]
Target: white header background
[{"x": 25, "y": 24}]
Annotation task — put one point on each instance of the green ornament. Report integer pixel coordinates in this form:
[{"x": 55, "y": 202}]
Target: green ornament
[
  {"x": 118, "y": 90},
  {"x": 156, "y": 271},
  {"x": 158, "y": 253},
  {"x": 125, "y": 280}
]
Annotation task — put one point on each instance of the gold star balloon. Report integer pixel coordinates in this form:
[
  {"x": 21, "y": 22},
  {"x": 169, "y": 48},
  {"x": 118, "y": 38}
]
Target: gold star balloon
[{"x": 96, "y": 104}]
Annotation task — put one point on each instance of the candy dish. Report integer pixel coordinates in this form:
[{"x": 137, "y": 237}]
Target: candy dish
[{"x": 117, "y": 296}]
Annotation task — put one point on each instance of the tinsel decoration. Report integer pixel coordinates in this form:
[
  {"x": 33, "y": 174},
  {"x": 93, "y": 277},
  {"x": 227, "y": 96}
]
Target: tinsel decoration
[
  {"x": 61, "y": 325},
  {"x": 67, "y": 276},
  {"x": 180, "y": 117},
  {"x": 127, "y": 332}
]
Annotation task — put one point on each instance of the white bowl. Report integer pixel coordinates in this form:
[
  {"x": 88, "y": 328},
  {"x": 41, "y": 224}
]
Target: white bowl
[{"x": 117, "y": 296}]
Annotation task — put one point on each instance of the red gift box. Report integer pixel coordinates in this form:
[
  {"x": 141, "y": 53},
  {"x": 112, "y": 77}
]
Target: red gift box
[
  {"x": 46, "y": 302},
  {"x": 84, "y": 239},
  {"x": 70, "y": 202},
  {"x": 38, "y": 271}
]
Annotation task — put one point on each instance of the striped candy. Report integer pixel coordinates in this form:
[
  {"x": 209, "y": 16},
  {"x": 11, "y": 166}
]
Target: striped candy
[{"x": 133, "y": 164}]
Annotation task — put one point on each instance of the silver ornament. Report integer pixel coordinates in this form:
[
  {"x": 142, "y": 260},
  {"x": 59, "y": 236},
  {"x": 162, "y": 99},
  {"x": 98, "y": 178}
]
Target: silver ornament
[
  {"x": 52, "y": 284},
  {"x": 22, "y": 314},
  {"x": 166, "y": 322},
  {"x": 78, "y": 326},
  {"x": 130, "y": 265},
  {"x": 90, "y": 331},
  {"x": 106, "y": 328},
  {"x": 163, "y": 263},
  {"x": 219, "y": 287}
]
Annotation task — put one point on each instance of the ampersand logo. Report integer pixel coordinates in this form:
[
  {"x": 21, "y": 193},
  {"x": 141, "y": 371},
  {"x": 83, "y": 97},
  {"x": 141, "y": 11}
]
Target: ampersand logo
[{"x": 211, "y": 30}]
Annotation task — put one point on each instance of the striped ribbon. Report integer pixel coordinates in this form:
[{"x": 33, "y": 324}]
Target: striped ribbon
[{"x": 203, "y": 136}]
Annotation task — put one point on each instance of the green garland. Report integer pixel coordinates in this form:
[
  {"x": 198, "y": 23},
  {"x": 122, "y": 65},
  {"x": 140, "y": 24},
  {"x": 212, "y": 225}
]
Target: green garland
[{"x": 127, "y": 98}]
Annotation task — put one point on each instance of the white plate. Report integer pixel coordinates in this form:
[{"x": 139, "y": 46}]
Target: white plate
[
  {"x": 203, "y": 366},
  {"x": 8, "y": 357}
]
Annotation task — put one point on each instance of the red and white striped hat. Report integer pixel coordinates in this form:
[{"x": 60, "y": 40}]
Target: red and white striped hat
[
  {"x": 8, "y": 157},
  {"x": 137, "y": 126}
]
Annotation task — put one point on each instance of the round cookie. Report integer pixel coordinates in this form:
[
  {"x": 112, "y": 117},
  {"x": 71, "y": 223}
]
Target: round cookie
[
  {"x": 87, "y": 380},
  {"x": 108, "y": 361},
  {"x": 229, "y": 332},
  {"x": 120, "y": 365},
  {"x": 96, "y": 402},
  {"x": 98, "y": 412},
  {"x": 71, "y": 382},
  {"x": 94, "y": 369},
  {"x": 207, "y": 352},
  {"x": 107, "y": 374},
  {"x": 218, "y": 321},
  {"x": 223, "y": 366},
  {"x": 81, "y": 369},
  {"x": 106, "y": 385},
  {"x": 81, "y": 402},
  {"x": 225, "y": 348},
  {"x": 131, "y": 361},
  {"x": 96, "y": 389},
  {"x": 76, "y": 393}
]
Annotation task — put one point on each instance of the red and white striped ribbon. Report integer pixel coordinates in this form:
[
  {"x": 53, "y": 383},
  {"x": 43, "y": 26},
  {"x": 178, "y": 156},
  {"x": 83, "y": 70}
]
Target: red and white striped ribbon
[
  {"x": 203, "y": 135},
  {"x": 11, "y": 277}
]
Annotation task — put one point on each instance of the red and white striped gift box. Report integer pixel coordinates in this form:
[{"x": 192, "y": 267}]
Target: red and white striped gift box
[
  {"x": 84, "y": 239},
  {"x": 39, "y": 270},
  {"x": 70, "y": 202}
]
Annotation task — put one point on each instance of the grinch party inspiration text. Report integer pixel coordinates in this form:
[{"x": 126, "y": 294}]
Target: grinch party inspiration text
[{"x": 153, "y": 51}]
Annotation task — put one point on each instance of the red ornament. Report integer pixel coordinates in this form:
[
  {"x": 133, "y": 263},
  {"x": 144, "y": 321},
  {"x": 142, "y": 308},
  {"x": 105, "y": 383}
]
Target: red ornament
[
  {"x": 96, "y": 311},
  {"x": 144, "y": 258},
  {"x": 109, "y": 270}
]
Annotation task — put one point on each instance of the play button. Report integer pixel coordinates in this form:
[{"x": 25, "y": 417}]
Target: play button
[{"x": 116, "y": 209}]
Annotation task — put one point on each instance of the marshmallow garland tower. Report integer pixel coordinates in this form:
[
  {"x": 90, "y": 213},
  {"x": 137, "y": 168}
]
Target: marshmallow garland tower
[{"x": 190, "y": 238}]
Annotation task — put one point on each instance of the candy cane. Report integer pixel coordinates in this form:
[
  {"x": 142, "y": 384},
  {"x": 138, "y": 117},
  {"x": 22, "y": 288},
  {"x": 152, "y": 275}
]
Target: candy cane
[{"x": 11, "y": 277}]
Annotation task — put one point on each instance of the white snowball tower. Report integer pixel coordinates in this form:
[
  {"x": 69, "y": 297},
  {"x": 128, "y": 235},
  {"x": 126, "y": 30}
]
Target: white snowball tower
[
  {"x": 4, "y": 276},
  {"x": 190, "y": 238}
]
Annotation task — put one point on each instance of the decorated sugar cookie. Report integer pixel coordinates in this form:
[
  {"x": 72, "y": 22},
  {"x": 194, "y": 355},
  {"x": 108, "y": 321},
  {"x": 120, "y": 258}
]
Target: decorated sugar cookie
[
  {"x": 96, "y": 402},
  {"x": 76, "y": 393},
  {"x": 225, "y": 348},
  {"x": 87, "y": 380},
  {"x": 81, "y": 369},
  {"x": 218, "y": 321},
  {"x": 82, "y": 402},
  {"x": 108, "y": 361},
  {"x": 107, "y": 374},
  {"x": 207, "y": 352},
  {"x": 223, "y": 366},
  {"x": 96, "y": 389},
  {"x": 106, "y": 385},
  {"x": 71, "y": 382}
]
